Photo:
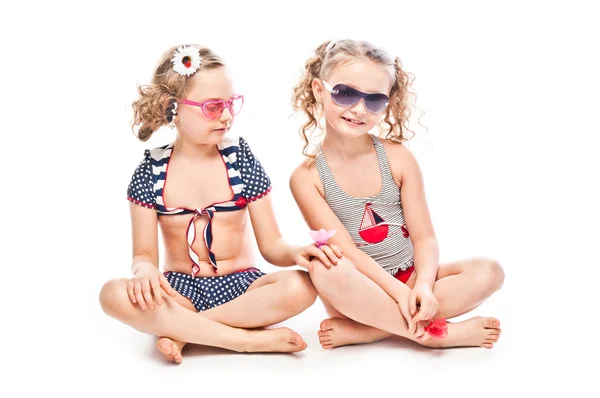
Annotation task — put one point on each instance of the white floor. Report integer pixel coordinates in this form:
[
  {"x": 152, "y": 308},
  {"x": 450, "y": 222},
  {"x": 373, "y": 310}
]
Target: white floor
[
  {"x": 528, "y": 353},
  {"x": 379, "y": 366}
]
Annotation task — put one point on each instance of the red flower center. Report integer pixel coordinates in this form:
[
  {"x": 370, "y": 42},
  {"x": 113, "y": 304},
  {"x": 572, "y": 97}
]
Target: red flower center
[{"x": 187, "y": 61}]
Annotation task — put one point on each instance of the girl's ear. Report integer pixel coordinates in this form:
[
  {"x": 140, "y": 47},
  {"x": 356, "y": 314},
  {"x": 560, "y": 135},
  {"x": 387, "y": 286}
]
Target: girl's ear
[{"x": 317, "y": 88}]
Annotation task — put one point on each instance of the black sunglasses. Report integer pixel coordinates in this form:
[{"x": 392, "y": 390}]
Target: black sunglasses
[{"x": 344, "y": 95}]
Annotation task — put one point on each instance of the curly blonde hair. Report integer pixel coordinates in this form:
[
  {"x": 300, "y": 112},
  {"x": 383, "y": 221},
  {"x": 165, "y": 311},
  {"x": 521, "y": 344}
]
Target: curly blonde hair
[
  {"x": 393, "y": 126},
  {"x": 167, "y": 86}
]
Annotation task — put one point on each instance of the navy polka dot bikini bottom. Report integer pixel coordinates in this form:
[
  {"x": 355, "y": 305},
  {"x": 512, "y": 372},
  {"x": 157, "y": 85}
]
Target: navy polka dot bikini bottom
[{"x": 210, "y": 292}]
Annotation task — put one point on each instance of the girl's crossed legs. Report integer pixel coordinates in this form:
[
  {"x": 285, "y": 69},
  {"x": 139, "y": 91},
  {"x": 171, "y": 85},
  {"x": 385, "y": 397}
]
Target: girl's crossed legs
[{"x": 373, "y": 315}]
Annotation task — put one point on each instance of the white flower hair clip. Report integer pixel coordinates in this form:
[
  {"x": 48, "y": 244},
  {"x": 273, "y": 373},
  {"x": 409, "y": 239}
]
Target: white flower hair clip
[{"x": 186, "y": 60}]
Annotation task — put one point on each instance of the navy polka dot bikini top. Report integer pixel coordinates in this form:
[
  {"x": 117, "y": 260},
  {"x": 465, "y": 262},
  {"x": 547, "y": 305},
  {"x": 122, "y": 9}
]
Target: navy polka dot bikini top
[{"x": 247, "y": 179}]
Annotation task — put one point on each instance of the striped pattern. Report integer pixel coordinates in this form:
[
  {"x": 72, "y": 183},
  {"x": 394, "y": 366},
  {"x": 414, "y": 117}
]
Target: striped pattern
[
  {"x": 375, "y": 223},
  {"x": 247, "y": 180}
]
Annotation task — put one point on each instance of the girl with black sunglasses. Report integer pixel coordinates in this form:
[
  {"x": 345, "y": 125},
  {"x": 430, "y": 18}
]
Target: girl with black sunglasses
[{"x": 361, "y": 181}]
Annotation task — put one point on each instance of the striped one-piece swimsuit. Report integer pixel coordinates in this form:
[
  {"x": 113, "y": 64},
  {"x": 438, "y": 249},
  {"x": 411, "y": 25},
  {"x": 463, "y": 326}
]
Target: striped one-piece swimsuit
[{"x": 376, "y": 223}]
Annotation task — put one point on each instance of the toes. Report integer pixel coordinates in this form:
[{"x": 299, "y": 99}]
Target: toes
[
  {"x": 490, "y": 340},
  {"x": 169, "y": 349},
  {"x": 327, "y": 324},
  {"x": 493, "y": 338},
  {"x": 492, "y": 323},
  {"x": 177, "y": 355},
  {"x": 487, "y": 345},
  {"x": 300, "y": 347},
  {"x": 325, "y": 340},
  {"x": 296, "y": 339},
  {"x": 327, "y": 346},
  {"x": 165, "y": 346}
]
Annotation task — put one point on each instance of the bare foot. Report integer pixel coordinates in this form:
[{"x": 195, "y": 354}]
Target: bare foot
[
  {"x": 336, "y": 332},
  {"x": 171, "y": 349},
  {"x": 274, "y": 340},
  {"x": 475, "y": 332}
]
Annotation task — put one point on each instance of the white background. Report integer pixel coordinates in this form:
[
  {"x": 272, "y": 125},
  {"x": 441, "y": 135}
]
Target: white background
[{"x": 510, "y": 95}]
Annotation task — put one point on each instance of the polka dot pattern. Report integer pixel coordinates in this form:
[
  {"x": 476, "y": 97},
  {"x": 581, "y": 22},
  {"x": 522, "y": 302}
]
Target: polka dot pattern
[
  {"x": 256, "y": 181},
  {"x": 247, "y": 178},
  {"x": 141, "y": 186},
  {"x": 210, "y": 292}
]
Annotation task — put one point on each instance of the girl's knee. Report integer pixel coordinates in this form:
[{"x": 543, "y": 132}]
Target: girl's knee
[
  {"x": 337, "y": 274},
  {"x": 113, "y": 295},
  {"x": 490, "y": 273},
  {"x": 300, "y": 287}
]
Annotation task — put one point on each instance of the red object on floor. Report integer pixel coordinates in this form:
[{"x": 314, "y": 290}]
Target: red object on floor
[{"x": 438, "y": 328}]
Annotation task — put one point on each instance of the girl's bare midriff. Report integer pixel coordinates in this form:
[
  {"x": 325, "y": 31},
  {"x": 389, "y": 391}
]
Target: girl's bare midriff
[{"x": 232, "y": 243}]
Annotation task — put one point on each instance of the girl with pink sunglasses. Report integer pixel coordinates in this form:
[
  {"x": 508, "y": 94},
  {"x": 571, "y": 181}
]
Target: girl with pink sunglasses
[
  {"x": 209, "y": 194},
  {"x": 368, "y": 188}
]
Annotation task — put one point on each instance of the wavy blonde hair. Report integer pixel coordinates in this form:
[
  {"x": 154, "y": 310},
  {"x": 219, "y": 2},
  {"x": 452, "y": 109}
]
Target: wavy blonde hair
[
  {"x": 393, "y": 126},
  {"x": 167, "y": 86}
]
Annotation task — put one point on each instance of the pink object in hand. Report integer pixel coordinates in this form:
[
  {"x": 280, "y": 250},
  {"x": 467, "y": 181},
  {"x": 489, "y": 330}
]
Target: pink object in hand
[
  {"x": 438, "y": 328},
  {"x": 321, "y": 236}
]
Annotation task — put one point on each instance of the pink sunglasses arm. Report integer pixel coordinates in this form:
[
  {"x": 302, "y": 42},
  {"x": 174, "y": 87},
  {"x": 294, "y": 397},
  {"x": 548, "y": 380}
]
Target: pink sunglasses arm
[{"x": 188, "y": 102}]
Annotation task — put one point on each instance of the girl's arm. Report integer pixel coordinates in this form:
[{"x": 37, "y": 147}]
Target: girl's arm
[
  {"x": 147, "y": 282},
  {"x": 144, "y": 231},
  {"x": 416, "y": 214},
  {"x": 144, "y": 218},
  {"x": 317, "y": 215},
  {"x": 271, "y": 244},
  {"x": 422, "y": 302},
  {"x": 144, "y": 288}
]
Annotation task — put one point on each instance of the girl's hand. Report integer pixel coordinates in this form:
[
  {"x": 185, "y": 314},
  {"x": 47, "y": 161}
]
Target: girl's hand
[
  {"x": 146, "y": 285},
  {"x": 328, "y": 254},
  {"x": 415, "y": 328},
  {"x": 423, "y": 304}
]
